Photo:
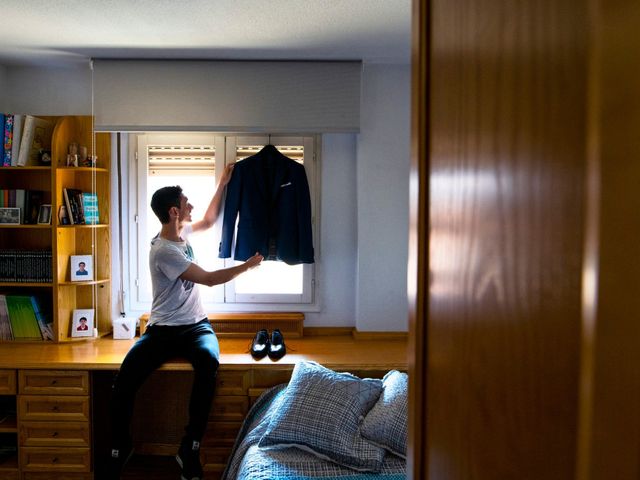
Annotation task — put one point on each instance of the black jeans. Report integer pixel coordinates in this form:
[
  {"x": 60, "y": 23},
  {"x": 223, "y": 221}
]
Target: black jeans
[{"x": 198, "y": 344}]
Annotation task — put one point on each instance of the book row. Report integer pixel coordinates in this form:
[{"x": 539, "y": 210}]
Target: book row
[
  {"x": 26, "y": 140},
  {"x": 28, "y": 201},
  {"x": 80, "y": 207},
  {"x": 24, "y": 317},
  {"x": 23, "y": 266}
]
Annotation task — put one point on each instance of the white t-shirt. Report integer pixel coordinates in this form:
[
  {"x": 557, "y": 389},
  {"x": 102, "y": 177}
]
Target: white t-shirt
[{"x": 175, "y": 301}]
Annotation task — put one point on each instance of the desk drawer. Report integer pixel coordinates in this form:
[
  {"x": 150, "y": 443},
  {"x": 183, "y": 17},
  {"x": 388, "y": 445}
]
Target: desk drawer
[
  {"x": 7, "y": 382},
  {"x": 54, "y": 434},
  {"x": 9, "y": 474},
  {"x": 233, "y": 382},
  {"x": 53, "y": 408},
  {"x": 55, "y": 459},
  {"x": 53, "y": 382},
  {"x": 214, "y": 459},
  {"x": 221, "y": 434},
  {"x": 57, "y": 476},
  {"x": 229, "y": 408}
]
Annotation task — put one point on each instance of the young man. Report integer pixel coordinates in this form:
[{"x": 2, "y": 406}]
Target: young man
[{"x": 178, "y": 326}]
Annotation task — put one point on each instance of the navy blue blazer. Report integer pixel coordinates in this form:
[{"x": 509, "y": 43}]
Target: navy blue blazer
[{"x": 270, "y": 192}]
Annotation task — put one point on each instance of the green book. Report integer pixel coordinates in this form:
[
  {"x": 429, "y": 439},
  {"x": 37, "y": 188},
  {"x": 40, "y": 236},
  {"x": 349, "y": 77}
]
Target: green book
[{"x": 24, "y": 323}]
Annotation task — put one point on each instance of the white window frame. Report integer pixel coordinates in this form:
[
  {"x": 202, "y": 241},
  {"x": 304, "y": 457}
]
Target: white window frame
[{"x": 225, "y": 147}]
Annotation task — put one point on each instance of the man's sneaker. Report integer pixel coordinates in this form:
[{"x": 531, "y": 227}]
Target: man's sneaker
[
  {"x": 188, "y": 458},
  {"x": 117, "y": 461}
]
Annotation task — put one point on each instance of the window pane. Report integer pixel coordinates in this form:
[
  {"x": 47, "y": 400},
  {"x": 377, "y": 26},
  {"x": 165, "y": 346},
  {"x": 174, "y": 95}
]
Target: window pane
[
  {"x": 199, "y": 189},
  {"x": 271, "y": 277}
]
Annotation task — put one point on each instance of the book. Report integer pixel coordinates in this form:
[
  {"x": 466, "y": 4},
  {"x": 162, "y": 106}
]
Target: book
[
  {"x": 90, "y": 207},
  {"x": 69, "y": 195},
  {"x": 36, "y": 136},
  {"x": 2, "y": 116},
  {"x": 77, "y": 200},
  {"x": 17, "y": 135},
  {"x": 32, "y": 201},
  {"x": 44, "y": 320},
  {"x": 5, "y": 325},
  {"x": 20, "y": 199},
  {"x": 7, "y": 140},
  {"x": 22, "y": 317}
]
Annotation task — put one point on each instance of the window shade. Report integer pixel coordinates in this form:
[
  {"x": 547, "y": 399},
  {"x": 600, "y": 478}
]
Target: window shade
[{"x": 152, "y": 95}]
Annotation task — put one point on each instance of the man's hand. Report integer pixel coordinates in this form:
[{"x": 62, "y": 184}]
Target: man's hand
[
  {"x": 226, "y": 175},
  {"x": 254, "y": 261}
]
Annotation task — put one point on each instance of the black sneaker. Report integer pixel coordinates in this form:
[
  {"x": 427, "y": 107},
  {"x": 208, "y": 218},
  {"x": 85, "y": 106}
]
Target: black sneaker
[
  {"x": 277, "y": 348},
  {"x": 188, "y": 458},
  {"x": 117, "y": 461},
  {"x": 260, "y": 344}
]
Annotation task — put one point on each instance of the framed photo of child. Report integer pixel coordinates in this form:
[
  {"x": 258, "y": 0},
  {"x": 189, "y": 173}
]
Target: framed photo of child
[
  {"x": 82, "y": 323},
  {"x": 81, "y": 268}
]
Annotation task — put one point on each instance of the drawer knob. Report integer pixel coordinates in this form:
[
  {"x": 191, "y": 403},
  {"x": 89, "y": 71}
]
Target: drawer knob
[
  {"x": 55, "y": 434},
  {"x": 54, "y": 460},
  {"x": 55, "y": 408},
  {"x": 54, "y": 381}
]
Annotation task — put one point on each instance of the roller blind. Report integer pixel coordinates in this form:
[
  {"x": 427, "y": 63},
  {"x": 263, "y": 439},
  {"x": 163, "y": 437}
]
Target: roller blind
[{"x": 139, "y": 95}]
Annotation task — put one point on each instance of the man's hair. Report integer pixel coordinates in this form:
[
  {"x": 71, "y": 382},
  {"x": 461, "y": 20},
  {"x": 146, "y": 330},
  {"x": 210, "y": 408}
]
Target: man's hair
[
  {"x": 163, "y": 199},
  {"x": 83, "y": 318},
  {"x": 82, "y": 264}
]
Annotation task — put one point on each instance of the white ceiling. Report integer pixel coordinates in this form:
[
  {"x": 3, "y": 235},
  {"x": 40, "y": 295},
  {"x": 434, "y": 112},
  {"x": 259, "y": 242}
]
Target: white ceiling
[{"x": 69, "y": 32}]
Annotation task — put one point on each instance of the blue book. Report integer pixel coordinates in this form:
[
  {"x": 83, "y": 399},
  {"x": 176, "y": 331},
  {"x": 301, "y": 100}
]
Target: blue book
[
  {"x": 2, "y": 117},
  {"x": 7, "y": 140},
  {"x": 90, "y": 207},
  {"x": 44, "y": 322}
]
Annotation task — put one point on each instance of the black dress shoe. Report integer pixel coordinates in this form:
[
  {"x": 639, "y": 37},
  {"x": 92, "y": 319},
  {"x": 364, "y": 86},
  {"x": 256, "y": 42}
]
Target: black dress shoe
[
  {"x": 277, "y": 348},
  {"x": 260, "y": 344}
]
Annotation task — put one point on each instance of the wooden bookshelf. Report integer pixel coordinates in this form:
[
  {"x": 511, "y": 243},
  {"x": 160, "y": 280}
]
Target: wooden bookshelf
[{"x": 64, "y": 240}]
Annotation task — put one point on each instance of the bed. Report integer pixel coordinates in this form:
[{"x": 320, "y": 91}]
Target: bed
[{"x": 315, "y": 428}]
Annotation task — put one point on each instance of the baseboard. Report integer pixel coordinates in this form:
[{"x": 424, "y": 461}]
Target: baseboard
[{"x": 379, "y": 335}]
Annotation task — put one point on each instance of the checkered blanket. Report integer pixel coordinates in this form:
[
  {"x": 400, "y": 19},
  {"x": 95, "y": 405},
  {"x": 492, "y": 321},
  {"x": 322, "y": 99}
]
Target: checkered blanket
[{"x": 248, "y": 462}]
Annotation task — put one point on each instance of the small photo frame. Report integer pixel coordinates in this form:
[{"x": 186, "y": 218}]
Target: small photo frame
[
  {"x": 9, "y": 216},
  {"x": 82, "y": 323},
  {"x": 81, "y": 268},
  {"x": 44, "y": 215}
]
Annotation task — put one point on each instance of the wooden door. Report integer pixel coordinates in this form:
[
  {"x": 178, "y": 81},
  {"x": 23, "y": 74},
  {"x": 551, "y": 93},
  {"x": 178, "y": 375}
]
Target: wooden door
[{"x": 524, "y": 236}]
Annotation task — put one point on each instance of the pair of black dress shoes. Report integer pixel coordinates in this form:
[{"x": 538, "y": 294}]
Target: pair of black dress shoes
[{"x": 263, "y": 346}]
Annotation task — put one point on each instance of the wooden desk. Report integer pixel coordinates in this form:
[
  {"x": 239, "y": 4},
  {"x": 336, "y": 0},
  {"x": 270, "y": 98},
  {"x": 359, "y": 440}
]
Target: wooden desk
[{"x": 72, "y": 382}]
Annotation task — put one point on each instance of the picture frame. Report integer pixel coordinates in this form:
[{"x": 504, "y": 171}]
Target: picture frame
[
  {"x": 44, "y": 214},
  {"x": 82, "y": 323},
  {"x": 81, "y": 268},
  {"x": 9, "y": 216}
]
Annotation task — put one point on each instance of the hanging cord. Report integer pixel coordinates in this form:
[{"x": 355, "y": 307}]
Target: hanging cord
[
  {"x": 120, "y": 240},
  {"x": 94, "y": 189}
]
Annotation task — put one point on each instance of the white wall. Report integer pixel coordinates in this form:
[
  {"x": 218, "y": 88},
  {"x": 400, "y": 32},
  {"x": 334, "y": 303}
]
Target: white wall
[
  {"x": 3, "y": 89},
  {"x": 49, "y": 91},
  {"x": 364, "y": 211},
  {"x": 383, "y": 199},
  {"x": 336, "y": 268}
]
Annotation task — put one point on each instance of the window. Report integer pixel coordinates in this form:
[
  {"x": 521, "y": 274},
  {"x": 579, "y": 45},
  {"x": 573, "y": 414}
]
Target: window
[{"x": 191, "y": 161}]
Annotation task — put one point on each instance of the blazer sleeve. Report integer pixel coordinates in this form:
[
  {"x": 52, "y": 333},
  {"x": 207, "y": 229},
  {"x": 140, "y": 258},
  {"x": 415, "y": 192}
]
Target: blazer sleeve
[
  {"x": 305, "y": 236},
  {"x": 231, "y": 207}
]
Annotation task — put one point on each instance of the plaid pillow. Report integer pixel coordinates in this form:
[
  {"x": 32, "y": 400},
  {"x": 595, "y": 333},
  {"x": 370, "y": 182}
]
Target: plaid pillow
[
  {"x": 386, "y": 423},
  {"x": 320, "y": 412}
]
